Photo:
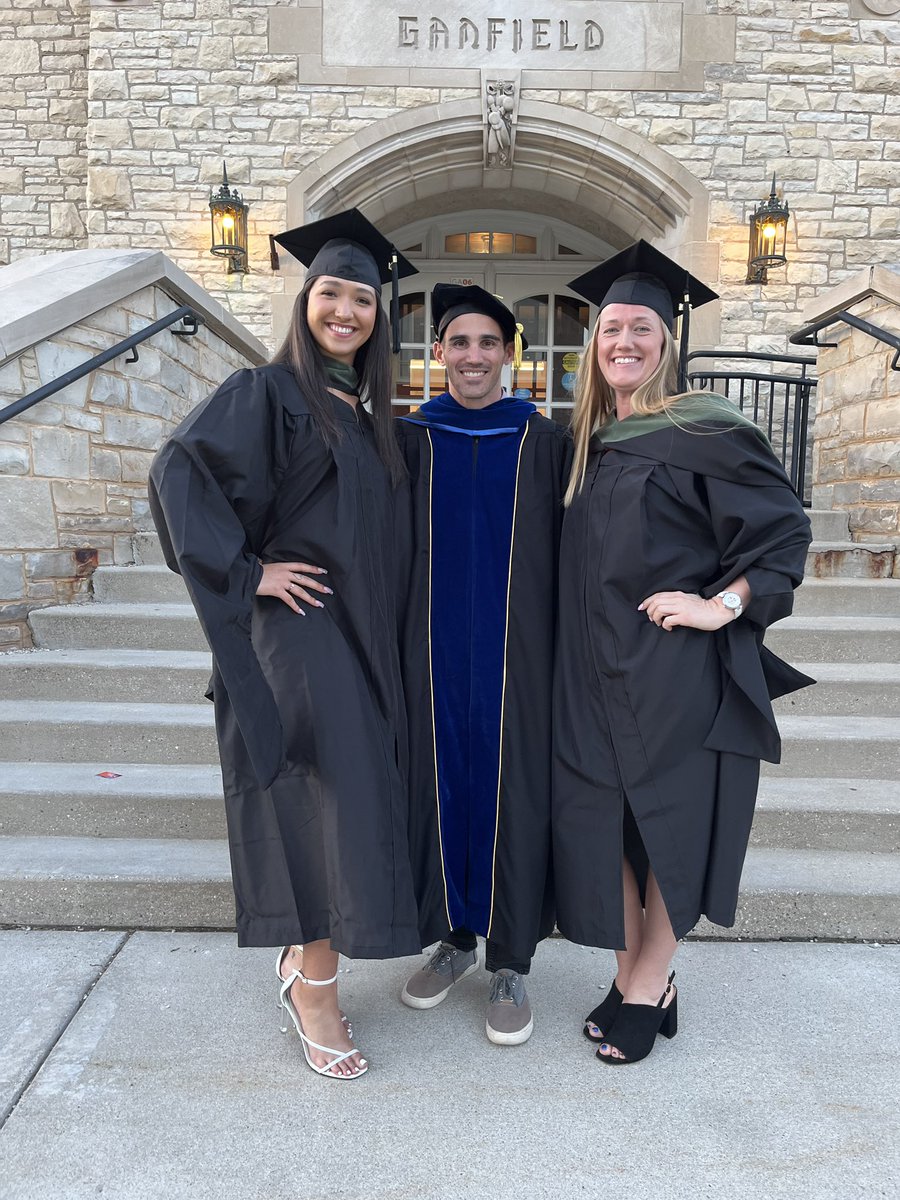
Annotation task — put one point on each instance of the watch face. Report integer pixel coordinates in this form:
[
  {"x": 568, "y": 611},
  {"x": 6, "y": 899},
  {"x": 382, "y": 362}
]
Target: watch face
[{"x": 731, "y": 600}]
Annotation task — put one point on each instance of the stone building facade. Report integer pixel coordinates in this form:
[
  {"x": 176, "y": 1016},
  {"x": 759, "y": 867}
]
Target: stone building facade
[{"x": 117, "y": 114}]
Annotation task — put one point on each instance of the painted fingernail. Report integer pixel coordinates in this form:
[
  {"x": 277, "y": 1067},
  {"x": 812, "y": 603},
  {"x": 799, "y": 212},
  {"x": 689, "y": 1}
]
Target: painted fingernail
[
  {"x": 318, "y": 604},
  {"x": 322, "y": 571},
  {"x": 329, "y": 592}
]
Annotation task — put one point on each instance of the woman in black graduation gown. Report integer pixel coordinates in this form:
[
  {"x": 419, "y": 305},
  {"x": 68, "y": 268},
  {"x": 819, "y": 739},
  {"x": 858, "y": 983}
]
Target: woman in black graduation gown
[
  {"x": 274, "y": 500},
  {"x": 683, "y": 540}
]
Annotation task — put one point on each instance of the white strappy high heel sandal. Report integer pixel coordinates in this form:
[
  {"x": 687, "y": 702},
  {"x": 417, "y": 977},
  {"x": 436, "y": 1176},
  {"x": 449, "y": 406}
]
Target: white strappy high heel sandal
[
  {"x": 338, "y": 1056},
  {"x": 279, "y": 963}
]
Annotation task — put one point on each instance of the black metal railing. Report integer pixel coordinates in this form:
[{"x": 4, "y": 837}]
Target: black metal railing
[
  {"x": 776, "y": 400},
  {"x": 809, "y": 334},
  {"x": 185, "y": 314}
]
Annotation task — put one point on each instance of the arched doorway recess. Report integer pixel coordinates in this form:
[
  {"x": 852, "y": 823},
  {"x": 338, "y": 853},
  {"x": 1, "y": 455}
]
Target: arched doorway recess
[{"x": 570, "y": 166}]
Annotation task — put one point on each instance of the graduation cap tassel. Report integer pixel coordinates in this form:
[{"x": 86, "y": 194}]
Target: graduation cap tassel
[
  {"x": 518, "y": 349},
  {"x": 683, "y": 347},
  {"x": 395, "y": 305}
]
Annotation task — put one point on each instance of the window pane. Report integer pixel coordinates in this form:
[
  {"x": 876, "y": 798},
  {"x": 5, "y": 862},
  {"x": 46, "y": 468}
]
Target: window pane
[
  {"x": 529, "y": 380},
  {"x": 571, "y": 319},
  {"x": 562, "y": 413},
  {"x": 437, "y": 379},
  {"x": 532, "y": 313},
  {"x": 410, "y": 378},
  {"x": 565, "y": 368},
  {"x": 501, "y": 243},
  {"x": 412, "y": 317},
  {"x": 525, "y": 244},
  {"x": 479, "y": 243},
  {"x": 455, "y": 243}
]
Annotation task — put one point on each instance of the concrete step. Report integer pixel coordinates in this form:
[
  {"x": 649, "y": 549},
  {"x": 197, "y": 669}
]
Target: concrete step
[
  {"x": 823, "y": 894},
  {"x": 119, "y": 626},
  {"x": 828, "y": 814},
  {"x": 829, "y": 525},
  {"x": 83, "y": 731},
  {"x": 157, "y": 883},
  {"x": 838, "y": 747},
  {"x": 69, "y": 799},
  {"x": 124, "y": 883},
  {"x": 139, "y": 584},
  {"x": 832, "y": 639},
  {"x": 848, "y": 597},
  {"x": 130, "y": 676},
  {"x": 854, "y": 689},
  {"x": 147, "y": 550},
  {"x": 850, "y": 560}
]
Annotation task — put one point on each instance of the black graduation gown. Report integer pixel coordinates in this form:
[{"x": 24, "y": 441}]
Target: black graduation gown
[
  {"x": 309, "y": 710},
  {"x": 658, "y": 734},
  {"x": 478, "y": 664}
]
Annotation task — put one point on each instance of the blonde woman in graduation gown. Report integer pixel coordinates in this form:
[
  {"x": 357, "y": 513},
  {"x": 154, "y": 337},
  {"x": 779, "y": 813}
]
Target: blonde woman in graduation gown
[{"x": 682, "y": 541}]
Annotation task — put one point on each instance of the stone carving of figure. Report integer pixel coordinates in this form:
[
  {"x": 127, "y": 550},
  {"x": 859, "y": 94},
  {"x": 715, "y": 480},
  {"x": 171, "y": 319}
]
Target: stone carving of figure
[{"x": 500, "y": 96}]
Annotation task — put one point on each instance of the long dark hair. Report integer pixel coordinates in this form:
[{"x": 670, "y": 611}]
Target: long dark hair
[{"x": 301, "y": 353}]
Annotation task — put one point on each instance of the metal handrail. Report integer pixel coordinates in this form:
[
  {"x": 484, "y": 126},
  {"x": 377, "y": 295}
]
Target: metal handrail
[
  {"x": 186, "y": 314},
  {"x": 756, "y": 391},
  {"x": 808, "y": 335}
]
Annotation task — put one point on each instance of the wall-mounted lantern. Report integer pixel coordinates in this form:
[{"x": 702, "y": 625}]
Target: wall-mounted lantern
[
  {"x": 228, "y": 216},
  {"x": 768, "y": 237}
]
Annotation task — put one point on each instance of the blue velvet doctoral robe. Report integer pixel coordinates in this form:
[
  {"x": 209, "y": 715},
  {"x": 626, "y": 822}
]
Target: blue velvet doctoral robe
[{"x": 478, "y": 650}]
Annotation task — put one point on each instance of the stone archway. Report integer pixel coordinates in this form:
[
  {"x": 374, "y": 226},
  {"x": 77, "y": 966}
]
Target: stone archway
[{"x": 428, "y": 161}]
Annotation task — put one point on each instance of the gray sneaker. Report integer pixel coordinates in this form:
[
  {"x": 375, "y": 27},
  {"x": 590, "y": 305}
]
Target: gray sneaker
[
  {"x": 447, "y": 965},
  {"x": 509, "y": 1020}
]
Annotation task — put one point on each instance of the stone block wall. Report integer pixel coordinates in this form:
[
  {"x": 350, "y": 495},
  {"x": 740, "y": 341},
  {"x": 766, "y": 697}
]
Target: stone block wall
[
  {"x": 73, "y": 469},
  {"x": 43, "y": 125},
  {"x": 856, "y": 455},
  {"x": 811, "y": 91}
]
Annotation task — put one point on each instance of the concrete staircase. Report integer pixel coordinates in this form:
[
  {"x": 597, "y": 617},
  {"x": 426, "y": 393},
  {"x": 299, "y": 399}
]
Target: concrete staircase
[{"x": 117, "y": 685}]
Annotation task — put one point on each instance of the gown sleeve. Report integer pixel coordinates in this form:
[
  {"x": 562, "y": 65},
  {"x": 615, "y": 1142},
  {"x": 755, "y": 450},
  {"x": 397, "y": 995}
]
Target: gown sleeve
[
  {"x": 763, "y": 533},
  {"x": 760, "y": 526},
  {"x": 210, "y": 488}
]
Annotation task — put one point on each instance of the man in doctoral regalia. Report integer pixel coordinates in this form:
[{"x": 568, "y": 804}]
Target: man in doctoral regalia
[{"x": 487, "y": 472}]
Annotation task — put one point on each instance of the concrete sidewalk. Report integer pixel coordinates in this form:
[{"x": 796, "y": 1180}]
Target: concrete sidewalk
[{"x": 171, "y": 1080}]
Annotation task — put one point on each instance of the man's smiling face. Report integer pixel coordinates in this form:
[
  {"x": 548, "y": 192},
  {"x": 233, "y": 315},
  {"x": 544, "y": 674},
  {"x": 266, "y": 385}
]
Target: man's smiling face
[{"x": 474, "y": 354}]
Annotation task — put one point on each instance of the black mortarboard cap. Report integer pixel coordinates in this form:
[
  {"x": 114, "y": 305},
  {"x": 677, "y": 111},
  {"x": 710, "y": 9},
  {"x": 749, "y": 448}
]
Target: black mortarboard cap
[
  {"x": 452, "y": 300},
  {"x": 348, "y": 246},
  {"x": 644, "y": 275}
]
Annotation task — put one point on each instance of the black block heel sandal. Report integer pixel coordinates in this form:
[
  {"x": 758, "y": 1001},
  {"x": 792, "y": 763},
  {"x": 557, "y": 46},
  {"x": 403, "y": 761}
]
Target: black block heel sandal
[{"x": 636, "y": 1026}]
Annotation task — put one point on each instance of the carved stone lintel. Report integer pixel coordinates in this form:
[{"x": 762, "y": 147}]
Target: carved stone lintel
[{"x": 501, "y": 104}]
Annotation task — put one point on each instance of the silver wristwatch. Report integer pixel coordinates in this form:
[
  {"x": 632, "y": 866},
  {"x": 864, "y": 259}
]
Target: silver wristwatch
[{"x": 732, "y": 601}]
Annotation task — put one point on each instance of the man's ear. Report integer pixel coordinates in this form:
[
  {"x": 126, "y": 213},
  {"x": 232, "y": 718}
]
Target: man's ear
[
  {"x": 509, "y": 352},
  {"x": 437, "y": 353}
]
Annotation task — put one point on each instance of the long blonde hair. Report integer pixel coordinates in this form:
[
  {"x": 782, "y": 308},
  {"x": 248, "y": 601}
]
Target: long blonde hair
[{"x": 595, "y": 400}]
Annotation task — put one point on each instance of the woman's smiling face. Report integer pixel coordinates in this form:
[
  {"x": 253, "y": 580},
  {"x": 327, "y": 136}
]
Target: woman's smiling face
[
  {"x": 629, "y": 346},
  {"x": 341, "y": 316}
]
